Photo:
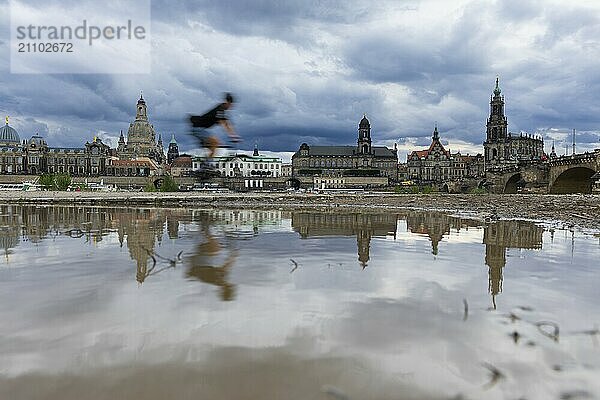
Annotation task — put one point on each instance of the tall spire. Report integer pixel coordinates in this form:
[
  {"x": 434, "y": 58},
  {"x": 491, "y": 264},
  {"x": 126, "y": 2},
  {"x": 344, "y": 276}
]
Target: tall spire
[
  {"x": 553, "y": 152},
  {"x": 436, "y": 134},
  {"x": 497, "y": 90}
]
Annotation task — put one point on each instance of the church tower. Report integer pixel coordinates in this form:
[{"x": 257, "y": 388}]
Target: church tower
[
  {"x": 141, "y": 113},
  {"x": 173, "y": 151},
  {"x": 364, "y": 136},
  {"x": 496, "y": 144},
  {"x": 141, "y": 137}
]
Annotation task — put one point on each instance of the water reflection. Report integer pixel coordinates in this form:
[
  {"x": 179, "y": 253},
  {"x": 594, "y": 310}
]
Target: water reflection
[
  {"x": 436, "y": 225},
  {"x": 211, "y": 258},
  {"x": 373, "y": 308},
  {"x": 503, "y": 235},
  {"x": 363, "y": 226}
]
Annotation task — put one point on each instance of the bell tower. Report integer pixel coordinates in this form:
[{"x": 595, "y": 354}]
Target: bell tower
[
  {"x": 364, "y": 136},
  {"x": 497, "y": 128},
  {"x": 141, "y": 112}
]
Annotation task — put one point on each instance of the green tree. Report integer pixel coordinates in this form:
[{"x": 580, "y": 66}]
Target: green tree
[
  {"x": 150, "y": 187},
  {"x": 47, "y": 181},
  {"x": 62, "y": 181},
  {"x": 169, "y": 185}
]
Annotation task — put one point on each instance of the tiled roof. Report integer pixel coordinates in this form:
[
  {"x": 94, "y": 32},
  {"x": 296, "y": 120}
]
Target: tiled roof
[
  {"x": 379, "y": 151},
  {"x": 182, "y": 162}
]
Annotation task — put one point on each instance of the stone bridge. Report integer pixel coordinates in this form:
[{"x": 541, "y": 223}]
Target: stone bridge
[
  {"x": 568, "y": 174},
  {"x": 573, "y": 174},
  {"x": 515, "y": 179}
]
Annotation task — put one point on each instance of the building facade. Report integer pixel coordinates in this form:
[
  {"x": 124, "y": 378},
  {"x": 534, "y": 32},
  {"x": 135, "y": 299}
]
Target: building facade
[
  {"x": 364, "y": 159},
  {"x": 181, "y": 166},
  {"x": 140, "y": 155},
  {"x": 12, "y": 151},
  {"x": 243, "y": 165},
  {"x": 35, "y": 157},
  {"x": 437, "y": 165}
]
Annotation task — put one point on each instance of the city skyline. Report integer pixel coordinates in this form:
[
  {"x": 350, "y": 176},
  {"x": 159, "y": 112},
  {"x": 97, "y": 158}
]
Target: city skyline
[{"x": 307, "y": 73}]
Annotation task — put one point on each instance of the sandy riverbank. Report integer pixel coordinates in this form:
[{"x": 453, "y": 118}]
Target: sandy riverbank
[{"x": 570, "y": 210}]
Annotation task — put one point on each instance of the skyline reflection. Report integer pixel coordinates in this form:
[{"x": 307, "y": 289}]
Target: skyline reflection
[
  {"x": 112, "y": 296},
  {"x": 213, "y": 255}
]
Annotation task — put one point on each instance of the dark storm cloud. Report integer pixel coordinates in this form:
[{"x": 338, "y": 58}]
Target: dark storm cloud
[
  {"x": 306, "y": 72},
  {"x": 274, "y": 18}
]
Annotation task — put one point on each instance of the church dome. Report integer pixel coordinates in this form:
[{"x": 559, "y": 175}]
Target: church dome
[
  {"x": 364, "y": 122},
  {"x": 8, "y": 134}
]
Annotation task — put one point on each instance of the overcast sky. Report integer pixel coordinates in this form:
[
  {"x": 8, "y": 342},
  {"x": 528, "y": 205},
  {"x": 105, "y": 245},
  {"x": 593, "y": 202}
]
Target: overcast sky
[{"x": 306, "y": 71}]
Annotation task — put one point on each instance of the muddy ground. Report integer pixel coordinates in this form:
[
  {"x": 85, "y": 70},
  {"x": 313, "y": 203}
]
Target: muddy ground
[{"x": 576, "y": 210}]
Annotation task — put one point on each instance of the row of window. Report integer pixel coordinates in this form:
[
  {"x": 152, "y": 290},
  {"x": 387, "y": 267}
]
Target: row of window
[
  {"x": 248, "y": 165},
  {"x": 10, "y": 160}
]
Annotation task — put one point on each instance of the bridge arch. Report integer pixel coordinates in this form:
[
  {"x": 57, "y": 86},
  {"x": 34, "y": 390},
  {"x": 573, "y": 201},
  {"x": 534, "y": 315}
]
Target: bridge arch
[
  {"x": 573, "y": 180},
  {"x": 514, "y": 184}
]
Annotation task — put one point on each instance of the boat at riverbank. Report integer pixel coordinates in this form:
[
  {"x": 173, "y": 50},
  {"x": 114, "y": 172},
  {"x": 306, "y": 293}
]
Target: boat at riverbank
[{"x": 26, "y": 186}]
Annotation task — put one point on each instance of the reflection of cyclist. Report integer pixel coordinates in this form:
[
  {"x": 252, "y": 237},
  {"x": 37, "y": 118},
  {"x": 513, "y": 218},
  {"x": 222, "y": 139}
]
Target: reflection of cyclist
[
  {"x": 206, "y": 265},
  {"x": 215, "y": 116}
]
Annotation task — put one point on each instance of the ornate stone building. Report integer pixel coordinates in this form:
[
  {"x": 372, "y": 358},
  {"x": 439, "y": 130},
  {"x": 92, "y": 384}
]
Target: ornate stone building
[
  {"x": 502, "y": 148},
  {"x": 35, "y": 157},
  {"x": 437, "y": 165},
  {"x": 364, "y": 159},
  {"x": 141, "y": 138},
  {"x": 141, "y": 155},
  {"x": 11, "y": 150}
]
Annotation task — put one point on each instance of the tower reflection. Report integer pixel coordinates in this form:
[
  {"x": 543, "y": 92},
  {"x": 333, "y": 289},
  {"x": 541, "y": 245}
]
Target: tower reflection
[
  {"x": 363, "y": 226},
  {"x": 503, "y": 235},
  {"x": 211, "y": 257}
]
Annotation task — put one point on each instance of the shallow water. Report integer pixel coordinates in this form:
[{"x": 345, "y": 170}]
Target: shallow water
[{"x": 105, "y": 303}]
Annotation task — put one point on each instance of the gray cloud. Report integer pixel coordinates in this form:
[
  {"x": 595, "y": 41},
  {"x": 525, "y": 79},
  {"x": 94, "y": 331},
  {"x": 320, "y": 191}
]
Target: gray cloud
[{"x": 307, "y": 72}]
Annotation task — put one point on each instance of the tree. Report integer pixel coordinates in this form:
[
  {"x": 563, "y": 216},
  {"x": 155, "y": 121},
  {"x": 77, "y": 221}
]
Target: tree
[
  {"x": 169, "y": 185},
  {"x": 47, "y": 181},
  {"x": 55, "y": 181},
  {"x": 62, "y": 182}
]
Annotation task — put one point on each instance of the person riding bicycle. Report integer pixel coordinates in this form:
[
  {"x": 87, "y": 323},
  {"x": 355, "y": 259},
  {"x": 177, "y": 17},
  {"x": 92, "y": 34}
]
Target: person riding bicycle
[{"x": 200, "y": 124}]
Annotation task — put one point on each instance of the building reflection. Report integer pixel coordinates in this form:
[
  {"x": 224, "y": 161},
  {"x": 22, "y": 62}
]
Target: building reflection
[
  {"x": 363, "y": 226},
  {"x": 503, "y": 235},
  {"x": 497, "y": 237},
  {"x": 140, "y": 229},
  {"x": 436, "y": 225},
  {"x": 211, "y": 259}
]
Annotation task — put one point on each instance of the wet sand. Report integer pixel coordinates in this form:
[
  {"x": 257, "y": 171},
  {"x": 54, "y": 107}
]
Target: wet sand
[{"x": 575, "y": 210}]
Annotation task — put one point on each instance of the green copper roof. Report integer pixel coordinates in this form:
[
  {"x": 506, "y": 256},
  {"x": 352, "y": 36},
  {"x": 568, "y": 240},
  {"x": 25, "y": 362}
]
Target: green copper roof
[{"x": 497, "y": 90}]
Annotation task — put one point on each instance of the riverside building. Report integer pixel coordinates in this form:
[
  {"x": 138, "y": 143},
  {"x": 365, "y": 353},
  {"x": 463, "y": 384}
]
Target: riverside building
[{"x": 361, "y": 160}]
